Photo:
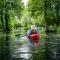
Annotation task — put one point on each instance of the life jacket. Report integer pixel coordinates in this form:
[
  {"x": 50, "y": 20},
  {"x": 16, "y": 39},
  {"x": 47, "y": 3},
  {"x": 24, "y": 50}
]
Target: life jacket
[
  {"x": 34, "y": 37},
  {"x": 33, "y": 32}
]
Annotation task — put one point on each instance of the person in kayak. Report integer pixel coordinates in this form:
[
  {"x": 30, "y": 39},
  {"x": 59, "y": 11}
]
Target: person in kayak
[{"x": 33, "y": 35}]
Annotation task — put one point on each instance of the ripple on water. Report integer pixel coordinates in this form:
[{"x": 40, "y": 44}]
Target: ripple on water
[{"x": 23, "y": 50}]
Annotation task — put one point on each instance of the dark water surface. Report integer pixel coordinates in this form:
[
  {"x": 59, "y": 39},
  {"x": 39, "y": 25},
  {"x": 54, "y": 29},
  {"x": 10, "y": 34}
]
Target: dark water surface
[{"x": 16, "y": 47}]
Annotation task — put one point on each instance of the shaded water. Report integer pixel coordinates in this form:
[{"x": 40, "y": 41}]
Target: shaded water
[{"x": 21, "y": 49}]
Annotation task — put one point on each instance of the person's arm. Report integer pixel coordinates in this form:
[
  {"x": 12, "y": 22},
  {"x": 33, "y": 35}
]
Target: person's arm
[{"x": 28, "y": 33}]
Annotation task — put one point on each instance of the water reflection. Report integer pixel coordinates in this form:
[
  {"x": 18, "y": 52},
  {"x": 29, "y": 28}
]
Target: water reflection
[
  {"x": 23, "y": 51},
  {"x": 52, "y": 47},
  {"x": 27, "y": 52},
  {"x": 19, "y": 48},
  {"x": 4, "y": 46}
]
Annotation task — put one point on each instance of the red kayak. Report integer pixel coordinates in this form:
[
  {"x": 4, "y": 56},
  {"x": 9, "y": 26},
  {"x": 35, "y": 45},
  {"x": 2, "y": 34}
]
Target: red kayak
[{"x": 34, "y": 37}]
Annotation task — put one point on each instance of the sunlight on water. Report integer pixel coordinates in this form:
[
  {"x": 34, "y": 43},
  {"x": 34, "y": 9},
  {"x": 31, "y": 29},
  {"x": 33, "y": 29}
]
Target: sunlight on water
[{"x": 23, "y": 50}]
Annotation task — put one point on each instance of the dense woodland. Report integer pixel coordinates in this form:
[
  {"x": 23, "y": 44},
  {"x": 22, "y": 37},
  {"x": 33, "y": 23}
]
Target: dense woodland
[{"x": 44, "y": 13}]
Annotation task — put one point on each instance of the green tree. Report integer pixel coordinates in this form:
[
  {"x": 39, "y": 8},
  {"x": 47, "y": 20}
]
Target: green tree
[
  {"x": 45, "y": 12},
  {"x": 8, "y": 9},
  {"x": 51, "y": 13},
  {"x": 36, "y": 7}
]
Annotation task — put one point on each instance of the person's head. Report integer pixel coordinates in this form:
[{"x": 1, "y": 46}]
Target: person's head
[{"x": 33, "y": 27}]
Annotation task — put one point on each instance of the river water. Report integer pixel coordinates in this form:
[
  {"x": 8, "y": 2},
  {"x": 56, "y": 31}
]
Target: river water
[{"x": 21, "y": 48}]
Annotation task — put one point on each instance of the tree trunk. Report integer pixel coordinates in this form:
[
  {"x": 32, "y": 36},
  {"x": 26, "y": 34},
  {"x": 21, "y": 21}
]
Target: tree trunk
[
  {"x": 46, "y": 23},
  {"x": 6, "y": 46}
]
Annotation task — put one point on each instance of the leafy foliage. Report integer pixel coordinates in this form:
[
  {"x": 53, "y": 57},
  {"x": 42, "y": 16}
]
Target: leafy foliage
[
  {"x": 45, "y": 12},
  {"x": 37, "y": 11},
  {"x": 9, "y": 9}
]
